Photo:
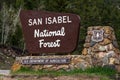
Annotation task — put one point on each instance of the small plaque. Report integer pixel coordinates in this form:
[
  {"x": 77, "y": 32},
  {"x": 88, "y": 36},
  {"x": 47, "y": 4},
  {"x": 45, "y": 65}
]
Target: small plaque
[
  {"x": 97, "y": 35},
  {"x": 46, "y": 61}
]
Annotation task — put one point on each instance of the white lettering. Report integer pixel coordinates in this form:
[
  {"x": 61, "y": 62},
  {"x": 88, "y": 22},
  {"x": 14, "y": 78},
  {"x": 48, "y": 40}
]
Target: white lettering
[
  {"x": 41, "y": 42},
  {"x": 44, "y": 44},
  {"x": 64, "y": 19},
  {"x": 39, "y": 21},
  {"x": 68, "y": 19},
  {"x": 54, "y": 20},
  {"x": 36, "y": 33},
  {"x": 32, "y": 22},
  {"x": 49, "y": 20},
  {"x": 58, "y": 20},
  {"x": 47, "y": 33}
]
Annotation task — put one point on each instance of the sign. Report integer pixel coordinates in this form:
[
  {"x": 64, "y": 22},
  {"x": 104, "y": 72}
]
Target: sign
[
  {"x": 49, "y": 32},
  {"x": 46, "y": 61},
  {"x": 97, "y": 35}
]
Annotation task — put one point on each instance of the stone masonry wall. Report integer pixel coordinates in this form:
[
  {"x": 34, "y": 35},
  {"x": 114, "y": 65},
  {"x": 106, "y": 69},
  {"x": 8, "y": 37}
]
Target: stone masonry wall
[
  {"x": 100, "y": 49},
  {"x": 102, "y": 45},
  {"x": 76, "y": 61}
]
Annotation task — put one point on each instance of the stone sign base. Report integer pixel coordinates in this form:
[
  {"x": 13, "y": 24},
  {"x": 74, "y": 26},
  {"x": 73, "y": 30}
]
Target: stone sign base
[
  {"x": 66, "y": 62},
  {"x": 100, "y": 49}
]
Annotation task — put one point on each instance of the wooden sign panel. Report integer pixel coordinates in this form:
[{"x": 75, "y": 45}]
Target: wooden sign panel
[{"x": 49, "y": 32}]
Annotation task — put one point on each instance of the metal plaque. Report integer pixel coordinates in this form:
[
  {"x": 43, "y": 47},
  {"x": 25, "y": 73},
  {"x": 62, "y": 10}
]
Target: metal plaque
[
  {"x": 97, "y": 35},
  {"x": 47, "y": 61}
]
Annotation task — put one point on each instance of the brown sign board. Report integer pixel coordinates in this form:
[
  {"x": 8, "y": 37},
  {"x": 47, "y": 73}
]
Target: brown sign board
[{"x": 49, "y": 32}]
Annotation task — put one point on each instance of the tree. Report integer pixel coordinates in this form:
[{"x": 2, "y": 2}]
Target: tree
[
  {"x": 92, "y": 13},
  {"x": 9, "y": 20}
]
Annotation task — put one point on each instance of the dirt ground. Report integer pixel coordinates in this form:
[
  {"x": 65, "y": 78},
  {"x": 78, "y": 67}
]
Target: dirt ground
[
  {"x": 50, "y": 78},
  {"x": 78, "y": 77}
]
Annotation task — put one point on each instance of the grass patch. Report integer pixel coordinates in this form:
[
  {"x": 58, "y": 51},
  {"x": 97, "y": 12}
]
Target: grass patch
[{"x": 104, "y": 71}]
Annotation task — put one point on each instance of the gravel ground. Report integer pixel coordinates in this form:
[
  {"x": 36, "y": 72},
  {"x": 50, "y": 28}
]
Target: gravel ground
[
  {"x": 4, "y": 72},
  {"x": 78, "y": 77}
]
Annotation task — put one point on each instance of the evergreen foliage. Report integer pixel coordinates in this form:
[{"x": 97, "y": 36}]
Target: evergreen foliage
[{"x": 92, "y": 13}]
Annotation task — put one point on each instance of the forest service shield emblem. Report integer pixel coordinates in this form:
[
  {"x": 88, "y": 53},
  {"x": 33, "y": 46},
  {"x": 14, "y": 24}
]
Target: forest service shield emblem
[{"x": 97, "y": 35}]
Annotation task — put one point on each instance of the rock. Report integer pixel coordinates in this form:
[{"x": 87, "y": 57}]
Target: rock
[
  {"x": 97, "y": 61},
  {"x": 92, "y": 43},
  {"x": 89, "y": 32},
  {"x": 110, "y": 54},
  {"x": 86, "y": 45},
  {"x": 95, "y": 48},
  {"x": 85, "y": 52},
  {"x": 16, "y": 66},
  {"x": 77, "y": 60},
  {"x": 97, "y": 27},
  {"x": 113, "y": 36},
  {"x": 111, "y": 61},
  {"x": 117, "y": 62},
  {"x": 89, "y": 51},
  {"x": 83, "y": 65},
  {"x": 110, "y": 47},
  {"x": 111, "y": 66},
  {"x": 37, "y": 67},
  {"x": 108, "y": 30},
  {"x": 106, "y": 35},
  {"x": 117, "y": 51},
  {"x": 47, "y": 66},
  {"x": 88, "y": 59},
  {"x": 102, "y": 48},
  {"x": 101, "y": 54},
  {"x": 105, "y": 42},
  {"x": 71, "y": 67},
  {"x": 115, "y": 44},
  {"x": 105, "y": 60},
  {"x": 90, "y": 28},
  {"x": 88, "y": 38},
  {"x": 65, "y": 67},
  {"x": 110, "y": 37}
]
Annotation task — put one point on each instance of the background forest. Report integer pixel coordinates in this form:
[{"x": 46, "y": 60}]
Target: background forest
[{"x": 92, "y": 13}]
